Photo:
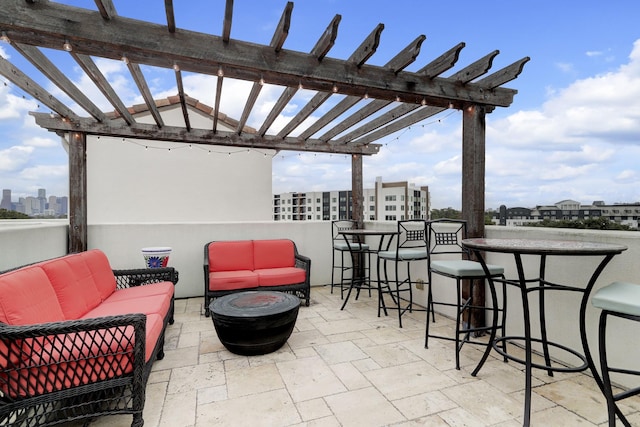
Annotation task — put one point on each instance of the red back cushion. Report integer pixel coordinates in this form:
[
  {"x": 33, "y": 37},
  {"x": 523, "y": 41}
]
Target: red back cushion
[
  {"x": 273, "y": 254},
  {"x": 231, "y": 255},
  {"x": 74, "y": 284},
  {"x": 101, "y": 270},
  {"x": 26, "y": 297}
]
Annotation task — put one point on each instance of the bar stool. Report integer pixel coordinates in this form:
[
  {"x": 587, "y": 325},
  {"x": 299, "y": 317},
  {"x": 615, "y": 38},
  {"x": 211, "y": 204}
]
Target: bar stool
[
  {"x": 411, "y": 245},
  {"x": 619, "y": 299},
  {"x": 341, "y": 247},
  {"x": 445, "y": 237}
]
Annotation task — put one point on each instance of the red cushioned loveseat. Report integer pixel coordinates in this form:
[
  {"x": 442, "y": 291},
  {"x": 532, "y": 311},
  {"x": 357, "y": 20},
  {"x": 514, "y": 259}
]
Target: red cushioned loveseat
[
  {"x": 243, "y": 265},
  {"x": 77, "y": 339}
]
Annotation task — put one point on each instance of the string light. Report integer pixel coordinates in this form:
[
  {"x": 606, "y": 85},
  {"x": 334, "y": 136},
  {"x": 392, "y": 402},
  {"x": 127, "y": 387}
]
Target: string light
[
  {"x": 366, "y": 95},
  {"x": 300, "y": 86},
  {"x": 67, "y": 46},
  {"x": 176, "y": 67},
  {"x": 423, "y": 102},
  {"x": 261, "y": 81},
  {"x": 5, "y": 38},
  {"x": 125, "y": 59},
  {"x": 334, "y": 89},
  {"x": 220, "y": 71}
]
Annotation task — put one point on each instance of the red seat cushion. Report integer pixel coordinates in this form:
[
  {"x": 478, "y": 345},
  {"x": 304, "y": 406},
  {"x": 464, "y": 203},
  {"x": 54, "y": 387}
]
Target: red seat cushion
[
  {"x": 150, "y": 304},
  {"x": 231, "y": 255},
  {"x": 160, "y": 288},
  {"x": 231, "y": 280},
  {"x": 273, "y": 254},
  {"x": 281, "y": 276}
]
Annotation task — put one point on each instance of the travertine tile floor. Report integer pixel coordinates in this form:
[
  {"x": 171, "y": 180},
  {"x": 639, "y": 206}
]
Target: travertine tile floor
[{"x": 351, "y": 368}]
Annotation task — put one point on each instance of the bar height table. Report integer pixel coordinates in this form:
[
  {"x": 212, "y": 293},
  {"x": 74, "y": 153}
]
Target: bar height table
[
  {"x": 544, "y": 248},
  {"x": 361, "y": 278}
]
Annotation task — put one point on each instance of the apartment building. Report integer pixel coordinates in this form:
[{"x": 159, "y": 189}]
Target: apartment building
[
  {"x": 391, "y": 201},
  {"x": 621, "y": 213}
]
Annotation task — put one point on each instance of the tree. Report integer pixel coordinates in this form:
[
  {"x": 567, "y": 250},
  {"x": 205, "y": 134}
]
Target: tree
[
  {"x": 598, "y": 223},
  {"x": 446, "y": 213},
  {"x": 7, "y": 214}
]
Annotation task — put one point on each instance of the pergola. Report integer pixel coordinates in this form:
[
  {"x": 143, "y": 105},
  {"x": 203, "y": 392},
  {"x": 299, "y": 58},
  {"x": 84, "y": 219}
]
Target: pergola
[{"x": 350, "y": 127}]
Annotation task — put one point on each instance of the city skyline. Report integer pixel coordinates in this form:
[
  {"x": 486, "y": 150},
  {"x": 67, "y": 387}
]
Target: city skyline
[{"x": 571, "y": 133}]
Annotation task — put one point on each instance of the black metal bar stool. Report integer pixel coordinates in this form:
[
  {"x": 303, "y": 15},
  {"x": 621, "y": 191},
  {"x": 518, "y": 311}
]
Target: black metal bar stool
[
  {"x": 445, "y": 237},
  {"x": 340, "y": 246},
  {"x": 619, "y": 299}
]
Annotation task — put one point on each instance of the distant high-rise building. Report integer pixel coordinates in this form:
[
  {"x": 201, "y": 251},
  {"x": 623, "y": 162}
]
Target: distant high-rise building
[{"x": 6, "y": 200}]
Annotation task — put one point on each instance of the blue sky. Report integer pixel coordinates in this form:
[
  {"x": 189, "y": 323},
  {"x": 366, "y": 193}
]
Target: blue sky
[{"x": 572, "y": 132}]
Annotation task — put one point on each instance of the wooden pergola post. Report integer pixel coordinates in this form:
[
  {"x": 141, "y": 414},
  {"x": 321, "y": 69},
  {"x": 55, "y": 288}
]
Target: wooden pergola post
[
  {"x": 473, "y": 168},
  {"x": 357, "y": 189},
  {"x": 77, "y": 192}
]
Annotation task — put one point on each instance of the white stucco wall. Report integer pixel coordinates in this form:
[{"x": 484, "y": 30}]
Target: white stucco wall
[{"x": 172, "y": 182}]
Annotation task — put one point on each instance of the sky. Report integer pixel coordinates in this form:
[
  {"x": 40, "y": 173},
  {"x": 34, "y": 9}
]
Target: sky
[{"x": 572, "y": 132}]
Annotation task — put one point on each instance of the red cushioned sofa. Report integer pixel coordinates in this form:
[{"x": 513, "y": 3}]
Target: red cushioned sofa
[
  {"x": 77, "y": 339},
  {"x": 243, "y": 265}
]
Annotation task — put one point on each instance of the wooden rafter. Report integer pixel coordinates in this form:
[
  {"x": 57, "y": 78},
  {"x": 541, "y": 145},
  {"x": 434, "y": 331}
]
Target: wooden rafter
[
  {"x": 46, "y": 67},
  {"x": 101, "y": 82},
  {"x": 138, "y": 77},
  {"x": 401, "y": 60},
  {"x": 171, "y": 18},
  {"x": 106, "y": 8},
  {"x": 228, "y": 19},
  {"x": 183, "y": 103},
  {"x": 290, "y": 91},
  {"x": 28, "y": 85},
  {"x": 279, "y": 37},
  {"x": 464, "y": 76}
]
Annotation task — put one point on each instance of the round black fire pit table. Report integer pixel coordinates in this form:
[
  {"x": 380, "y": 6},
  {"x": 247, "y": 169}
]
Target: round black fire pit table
[{"x": 254, "y": 322}]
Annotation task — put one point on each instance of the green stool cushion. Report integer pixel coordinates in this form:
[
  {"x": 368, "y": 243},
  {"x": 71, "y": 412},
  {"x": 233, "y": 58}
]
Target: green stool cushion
[
  {"x": 405, "y": 254},
  {"x": 619, "y": 297},
  {"x": 343, "y": 246},
  {"x": 464, "y": 268}
]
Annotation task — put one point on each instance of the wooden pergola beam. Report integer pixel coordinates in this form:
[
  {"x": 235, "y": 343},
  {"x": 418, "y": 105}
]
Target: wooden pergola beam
[{"x": 194, "y": 136}]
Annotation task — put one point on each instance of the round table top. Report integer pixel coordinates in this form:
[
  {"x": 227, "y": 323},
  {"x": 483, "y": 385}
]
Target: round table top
[
  {"x": 254, "y": 304},
  {"x": 540, "y": 246},
  {"x": 367, "y": 232}
]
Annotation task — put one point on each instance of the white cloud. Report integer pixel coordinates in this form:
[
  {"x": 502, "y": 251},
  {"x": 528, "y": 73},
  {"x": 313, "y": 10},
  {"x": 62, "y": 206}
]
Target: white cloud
[
  {"x": 14, "y": 158},
  {"x": 41, "y": 142}
]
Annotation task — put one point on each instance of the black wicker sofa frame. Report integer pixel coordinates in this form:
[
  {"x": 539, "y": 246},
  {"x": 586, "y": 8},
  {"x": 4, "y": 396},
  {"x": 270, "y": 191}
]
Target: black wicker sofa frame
[{"x": 54, "y": 372}]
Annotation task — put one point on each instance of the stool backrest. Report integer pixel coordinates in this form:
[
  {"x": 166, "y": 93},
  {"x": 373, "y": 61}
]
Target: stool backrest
[
  {"x": 446, "y": 235},
  {"x": 412, "y": 233}
]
